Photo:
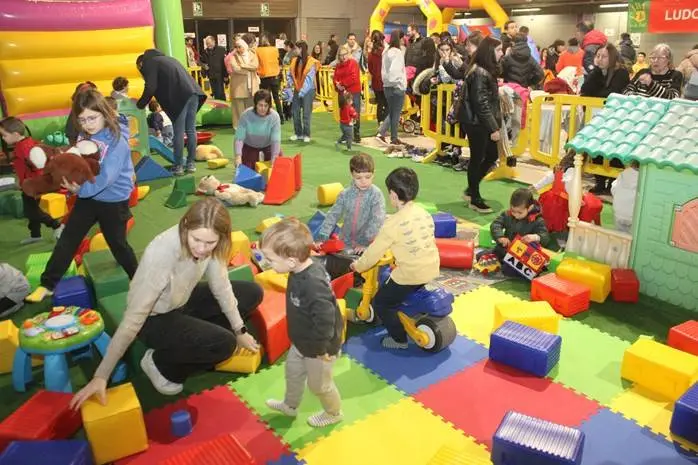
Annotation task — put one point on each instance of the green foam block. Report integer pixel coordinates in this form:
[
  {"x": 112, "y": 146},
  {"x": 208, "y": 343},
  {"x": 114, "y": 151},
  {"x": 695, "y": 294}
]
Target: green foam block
[
  {"x": 112, "y": 309},
  {"x": 430, "y": 207},
  {"x": 353, "y": 298},
  {"x": 177, "y": 199},
  {"x": 484, "y": 237},
  {"x": 186, "y": 184},
  {"x": 105, "y": 275},
  {"x": 241, "y": 273}
]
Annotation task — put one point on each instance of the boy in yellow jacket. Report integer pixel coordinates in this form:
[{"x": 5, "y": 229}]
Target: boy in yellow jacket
[{"x": 409, "y": 234}]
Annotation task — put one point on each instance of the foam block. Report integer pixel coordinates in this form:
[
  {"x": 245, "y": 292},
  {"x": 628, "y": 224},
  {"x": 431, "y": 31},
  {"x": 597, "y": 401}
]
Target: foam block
[
  {"x": 242, "y": 361},
  {"x": 217, "y": 163},
  {"x": 484, "y": 237},
  {"x": 270, "y": 279},
  {"x": 455, "y": 253},
  {"x": 225, "y": 449},
  {"x": 596, "y": 276},
  {"x": 143, "y": 191},
  {"x": 444, "y": 225},
  {"x": 684, "y": 337},
  {"x": 267, "y": 222},
  {"x": 186, "y": 184},
  {"x": 685, "y": 416},
  {"x": 148, "y": 170},
  {"x": 430, "y": 207},
  {"x": 177, "y": 199},
  {"x": 269, "y": 320},
  {"x": 54, "y": 204},
  {"x": 282, "y": 183},
  {"x": 539, "y": 315},
  {"x": 105, "y": 275},
  {"x": 249, "y": 179},
  {"x": 241, "y": 273},
  {"x": 327, "y": 193},
  {"x": 74, "y": 452},
  {"x": 525, "y": 348},
  {"x": 240, "y": 244},
  {"x": 566, "y": 297},
  {"x": 72, "y": 291},
  {"x": 625, "y": 287},
  {"x": 298, "y": 171}
]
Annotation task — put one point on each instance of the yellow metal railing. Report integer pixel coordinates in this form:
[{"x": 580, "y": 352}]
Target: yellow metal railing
[{"x": 368, "y": 109}]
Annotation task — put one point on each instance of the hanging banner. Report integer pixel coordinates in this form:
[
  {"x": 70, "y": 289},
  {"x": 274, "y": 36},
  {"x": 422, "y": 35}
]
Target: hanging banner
[{"x": 663, "y": 16}]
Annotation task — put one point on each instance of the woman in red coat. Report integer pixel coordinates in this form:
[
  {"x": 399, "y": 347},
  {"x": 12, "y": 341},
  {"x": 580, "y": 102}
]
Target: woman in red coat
[{"x": 347, "y": 78}]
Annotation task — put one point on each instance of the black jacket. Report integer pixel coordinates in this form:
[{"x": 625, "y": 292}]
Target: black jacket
[
  {"x": 215, "y": 59},
  {"x": 595, "y": 83},
  {"x": 480, "y": 105},
  {"x": 315, "y": 323},
  {"x": 627, "y": 52},
  {"x": 520, "y": 67},
  {"x": 169, "y": 82},
  {"x": 505, "y": 225}
]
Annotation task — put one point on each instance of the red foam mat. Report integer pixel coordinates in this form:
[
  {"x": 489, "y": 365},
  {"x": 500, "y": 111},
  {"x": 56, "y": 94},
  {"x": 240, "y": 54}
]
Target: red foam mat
[
  {"x": 213, "y": 413},
  {"x": 476, "y": 399}
]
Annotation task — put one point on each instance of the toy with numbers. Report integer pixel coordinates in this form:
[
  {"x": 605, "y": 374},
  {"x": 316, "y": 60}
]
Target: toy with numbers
[{"x": 527, "y": 259}]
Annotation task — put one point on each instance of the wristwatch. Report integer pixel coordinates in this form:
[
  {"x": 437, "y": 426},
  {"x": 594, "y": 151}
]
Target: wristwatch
[{"x": 241, "y": 330}]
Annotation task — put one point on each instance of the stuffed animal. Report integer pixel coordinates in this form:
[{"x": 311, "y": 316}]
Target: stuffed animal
[
  {"x": 78, "y": 164},
  {"x": 230, "y": 194},
  {"x": 208, "y": 152}
]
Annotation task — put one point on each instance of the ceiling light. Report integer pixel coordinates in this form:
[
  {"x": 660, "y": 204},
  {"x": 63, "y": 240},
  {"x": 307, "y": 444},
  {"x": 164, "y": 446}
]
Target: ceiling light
[
  {"x": 525, "y": 10},
  {"x": 614, "y": 5}
]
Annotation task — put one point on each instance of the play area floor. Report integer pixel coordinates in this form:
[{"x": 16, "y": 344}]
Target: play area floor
[{"x": 402, "y": 407}]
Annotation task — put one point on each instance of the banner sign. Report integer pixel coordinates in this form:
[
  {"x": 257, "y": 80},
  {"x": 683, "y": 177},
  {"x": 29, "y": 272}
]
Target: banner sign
[{"x": 663, "y": 16}]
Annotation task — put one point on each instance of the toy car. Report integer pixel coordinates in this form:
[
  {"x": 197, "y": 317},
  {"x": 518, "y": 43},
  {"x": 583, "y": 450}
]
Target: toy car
[{"x": 487, "y": 263}]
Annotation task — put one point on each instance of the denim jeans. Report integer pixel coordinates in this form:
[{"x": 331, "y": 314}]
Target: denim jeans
[
  {"x": 301, "y": 123},
  {"x": 185, "y": 123},
  {"x": 396, "y": 99},
  {"x": 346, "y": 134}
]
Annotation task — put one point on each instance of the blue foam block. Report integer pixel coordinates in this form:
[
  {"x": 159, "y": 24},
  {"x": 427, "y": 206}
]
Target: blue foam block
[
  {"x": 72, "y": 291},
  {"x": 614, "y": 440},
  {"x": 444, "y": 225},
  {"x": 148, "y": 170},
  {"x": 287, "y": 459},
  {"x": 315, "y": 222},
  {"x": 45, "y": 452},
  {"x": 249, "y": 178},
  {"x": 413, "y": 369},
  {"x": 161, "y": 149},
  {"x": 524, "y": 440},
  {"x": 684, "y": 420},
  {"x": 528, "y": 349},
  {"x": 180, "y": 423}
]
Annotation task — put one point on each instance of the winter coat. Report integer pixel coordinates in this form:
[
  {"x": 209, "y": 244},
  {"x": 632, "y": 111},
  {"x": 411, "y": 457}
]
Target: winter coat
[
  {"x": 596, "y": 84},
  {"x": 593, "y": 40},
  {"x": 520, "y": 67},
  {"x": 505, "y": 225},
  {"x": 375, "y": 62},
  {"x": 688, "y": 65},
  {"x": 347, "y": 75},
  {"x": 627, "y": 52},
  {"x": 481, "y": 107}
]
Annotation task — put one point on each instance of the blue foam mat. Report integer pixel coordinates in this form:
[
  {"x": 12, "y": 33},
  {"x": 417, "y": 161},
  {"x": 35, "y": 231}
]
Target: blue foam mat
[
  {"x": 413, "y": 369},
  {"x": 287, "y": 459},
  {"x": 612, "y": 439}
]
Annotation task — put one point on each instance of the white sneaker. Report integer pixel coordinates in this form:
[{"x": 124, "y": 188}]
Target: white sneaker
[
  {"x": 294, "y": 138},
  {"x": 29, "y": 240},
  {"x": 58, "y": 231},
  {"x": 306, "y": 139},
  {"x": 323, "y": 418},
  {"x": 280, "y": 406},
  {"x": 160, "y": 383}
]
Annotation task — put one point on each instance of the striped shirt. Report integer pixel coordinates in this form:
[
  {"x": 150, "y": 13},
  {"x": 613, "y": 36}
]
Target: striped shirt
[
  {"x": 666, "y": 86},
  {"x": 258, "y": 132}
]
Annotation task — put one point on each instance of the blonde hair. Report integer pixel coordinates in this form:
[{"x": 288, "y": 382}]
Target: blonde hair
[
  {"x": 343, "y": 49},
  {"x": 289, "y": 238},
  {"x": 208, "y": 213}
]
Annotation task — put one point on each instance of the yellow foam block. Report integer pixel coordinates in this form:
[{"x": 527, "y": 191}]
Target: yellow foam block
[
  {"x": 217, "y": 163},
  {"x": 9, "y": 341},
  {"x": 662, "y": 369},
  {"x": 327, "y": 193},
  {"x": 98, "y": 242},
  {"x": 81, "y": 271},
  {"x": 242, "y": 361},
  {"x": 473, "y": 312},
  {"x": 539, "y": 315},
  {"x": 261, "y": 227},
  {"x": 121, "y": 418},
  {"x": 343, "y": 310},
  {"x": 239, "y": 244},
  {"x": 596, "y": 276},
  {"x": 272, "y": 280},
  {"x": 143, "y": 191},
  {"x": 54, "y": 204},
  {"x": 263, "y": 168}
]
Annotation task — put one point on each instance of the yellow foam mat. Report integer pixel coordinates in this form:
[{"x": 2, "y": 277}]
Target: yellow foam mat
[
  {"x": 473, "y": 312},
  {"x": 388, "y": 437},
  {"x": 649, "y": 410}
]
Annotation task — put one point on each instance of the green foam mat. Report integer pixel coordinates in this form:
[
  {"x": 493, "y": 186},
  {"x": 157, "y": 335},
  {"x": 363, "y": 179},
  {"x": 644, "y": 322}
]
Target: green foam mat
[
  {"x": 590, "y": 361},
  {"x": 362, "y": 392}
]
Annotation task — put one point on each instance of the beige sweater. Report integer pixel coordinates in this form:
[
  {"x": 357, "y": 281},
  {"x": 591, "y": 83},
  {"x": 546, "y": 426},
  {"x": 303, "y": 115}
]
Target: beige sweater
[{"x": 163, "y": 282}]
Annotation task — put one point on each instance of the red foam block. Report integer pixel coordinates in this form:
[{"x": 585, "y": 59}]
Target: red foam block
[
  {"x": 269, "y": 320},
  {"x": 625, "y": 287},
  {"x": 455, "y": 253},
  {"x": 282, "y": 183},
  {"x": 341, "y": 285},
  {"x": 213, "y": 413},
  {"x": 566, "y": 297},
  {"x": 476, "y": 399},
  {"x": 684, "y": 337}
]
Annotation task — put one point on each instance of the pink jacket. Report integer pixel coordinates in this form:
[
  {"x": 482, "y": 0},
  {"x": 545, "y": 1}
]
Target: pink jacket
[{"x": 524, "y": 94}]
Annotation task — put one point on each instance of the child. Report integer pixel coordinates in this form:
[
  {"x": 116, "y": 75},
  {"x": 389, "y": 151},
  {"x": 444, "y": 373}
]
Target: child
[
  {"x": 554, "y": 202},
  {"x": 120, "y": 86},
  {"x": 14, "y": 287},
  {"x": 160, "y": 123},
  {"x": 347, "y": 116},
  {"x": 361, "y": 207},
  {"x": 105, "y": 201},
  {"x": 623, "y": 190},
  {"x": 14, "y": 132},
  {"x": 524, "y": 219},
  {"x": 409, "y": 234},
  {"x": 315, "y": 323},
  {"x": 71, "y": 132}
]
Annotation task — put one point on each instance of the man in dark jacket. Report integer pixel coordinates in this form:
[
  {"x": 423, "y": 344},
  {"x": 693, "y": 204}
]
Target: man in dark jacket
[
  {"x": 591, "y": 40},
  {"x": 178, "y": 95},
  {"x": 519, "y": 66},
  {"x": 627, "y": 50},
  {"x": 212, "y": 61},
  {"x": 508, "y": 33}
]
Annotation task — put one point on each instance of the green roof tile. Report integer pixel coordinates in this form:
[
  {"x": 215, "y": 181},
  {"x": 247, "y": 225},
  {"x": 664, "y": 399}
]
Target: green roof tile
[{"x": 649, "y": 130}]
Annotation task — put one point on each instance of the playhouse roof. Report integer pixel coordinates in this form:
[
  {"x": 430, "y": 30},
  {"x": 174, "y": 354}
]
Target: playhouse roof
[{"x": 649, "y": 130}]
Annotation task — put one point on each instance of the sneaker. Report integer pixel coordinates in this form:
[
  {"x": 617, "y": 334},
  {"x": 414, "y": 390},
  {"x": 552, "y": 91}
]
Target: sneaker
[
  {"x": 280, "y": 406},
  {"x": 38, "y": 295},
  {"x": 480, "y": 206},
  {"x": 191, "y": 168},
  {"x": 58, "y": 231},
  {"x": 418, "y": 158},
  {"x": 390, "y": 343},
  {"x": 322, "y": 419},
  {"x": 381, "y": 138},
  {"x": 357, "y": 139},
  {"x": 160, "y": 383},
  {"x": 466, "y": 196},
  {"x": 306, "y": 139},
  {"x": 462, "y": 165},
  {"x": 293, "y": 138},
  {"x": 30, "y": 240},
  {"x": 177, "y": 170}
]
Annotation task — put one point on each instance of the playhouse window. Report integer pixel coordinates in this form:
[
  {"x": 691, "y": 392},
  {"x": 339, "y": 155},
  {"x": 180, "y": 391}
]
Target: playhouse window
[{"x": 683, "y": 232}]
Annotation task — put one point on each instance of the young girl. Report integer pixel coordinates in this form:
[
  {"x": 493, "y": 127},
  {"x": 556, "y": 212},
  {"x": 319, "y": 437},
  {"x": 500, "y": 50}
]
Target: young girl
[
  {"x": 555, "y": 201},
  {"x": 347, "y": 118},
  {"x": 301, "y": 78},
  {"x": 105, "y": 201}
]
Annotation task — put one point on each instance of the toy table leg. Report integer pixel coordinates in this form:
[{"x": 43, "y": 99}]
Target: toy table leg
[
  {"x": 21, "y": 370},
  {"x": 102, "y": 342},
  {"x": 56, "y": 375}
]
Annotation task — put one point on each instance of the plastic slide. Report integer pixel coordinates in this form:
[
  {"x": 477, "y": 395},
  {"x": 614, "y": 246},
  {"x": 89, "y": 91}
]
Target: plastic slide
[
  {"x": 47, "y": 48},
  {"x": 161, "y": 149}
]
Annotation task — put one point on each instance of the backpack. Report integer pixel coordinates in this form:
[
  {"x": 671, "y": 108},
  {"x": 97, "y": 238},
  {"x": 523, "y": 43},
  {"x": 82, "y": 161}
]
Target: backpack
[{"x": 690, "y": 91}]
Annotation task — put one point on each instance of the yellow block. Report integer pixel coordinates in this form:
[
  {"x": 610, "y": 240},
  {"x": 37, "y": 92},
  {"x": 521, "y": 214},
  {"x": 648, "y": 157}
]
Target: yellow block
[
  {"x": 9, "y": 341},
  {"x": 539, "y": 315},
  {"x": 473, "y": 312},
  {"x": 343, "y": 310},
  {"x": 54, "y": 204},
  {"x": 263, "y": 168},
  {"x": 272, "y": 280},
  {"x": 239, "y": 244},
  {"x": 217, "y": 163},
  {"x": 242, "y": 361},
  {"x": 596, "y": 276},
  {"x": 98, "y": 242},
  {"x": 327, "y": 193},
  {"x": 81, "y": 271},
  {"x": 143, "y": 191},
  {"x": 121, "y": 418},
  {"x": 261, "y": 227},
  {"x": 662, "y": 369}
]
